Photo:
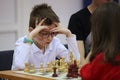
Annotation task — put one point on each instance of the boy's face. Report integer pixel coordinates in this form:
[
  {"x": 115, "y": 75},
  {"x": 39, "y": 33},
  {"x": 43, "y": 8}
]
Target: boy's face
[{"x": 44, "y": 37}]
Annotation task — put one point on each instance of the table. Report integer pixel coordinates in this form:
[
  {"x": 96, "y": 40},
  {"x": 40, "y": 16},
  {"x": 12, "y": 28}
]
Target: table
[{"x": 16, "y": 76}]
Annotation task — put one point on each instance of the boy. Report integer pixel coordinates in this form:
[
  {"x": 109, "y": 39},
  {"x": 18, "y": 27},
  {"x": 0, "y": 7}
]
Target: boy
[{"x": 41, "y": 45}]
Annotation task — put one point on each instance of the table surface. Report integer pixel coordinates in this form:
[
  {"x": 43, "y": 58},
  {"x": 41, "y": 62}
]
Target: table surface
[{"x": 16, "y": 76}]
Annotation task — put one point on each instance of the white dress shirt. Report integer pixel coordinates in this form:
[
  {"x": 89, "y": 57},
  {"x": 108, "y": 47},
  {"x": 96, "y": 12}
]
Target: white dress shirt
[{"x": 25, "y": 53}]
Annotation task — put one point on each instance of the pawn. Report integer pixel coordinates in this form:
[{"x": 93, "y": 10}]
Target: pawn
[
  {"x": 41, "y": 68},
  {"x": 32, "y": 69},
  {"x": 66, "y": 67},
  {"x": 26, "y": 69},
  {"x": 57, "y": 63},
  {"x": 48, "y": 68},
  {"x": 54, "y": 74}
]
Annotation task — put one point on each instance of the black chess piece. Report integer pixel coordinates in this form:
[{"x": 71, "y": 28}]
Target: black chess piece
[
  {"x": 73, "y": 70},
  {"x": 69, "y": 72},
  {"x": 54, "y": 74}
]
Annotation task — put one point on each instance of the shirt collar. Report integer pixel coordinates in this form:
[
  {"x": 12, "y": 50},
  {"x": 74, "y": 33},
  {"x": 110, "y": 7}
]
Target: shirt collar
[{"x": 36, "y": 49}]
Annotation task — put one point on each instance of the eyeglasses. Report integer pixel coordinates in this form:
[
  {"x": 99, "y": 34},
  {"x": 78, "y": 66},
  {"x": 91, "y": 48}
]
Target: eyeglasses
[{"x": 46, "y": 35}]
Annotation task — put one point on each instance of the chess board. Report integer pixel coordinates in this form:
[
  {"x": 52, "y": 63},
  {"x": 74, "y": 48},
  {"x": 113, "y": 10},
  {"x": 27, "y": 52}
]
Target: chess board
[{"x": 61, "y": 76}]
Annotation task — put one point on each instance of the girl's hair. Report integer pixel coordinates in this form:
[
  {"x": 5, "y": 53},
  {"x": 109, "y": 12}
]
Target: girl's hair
[
  {"x": 40, "y": 12},
  {"x": 105, "y": 30}
]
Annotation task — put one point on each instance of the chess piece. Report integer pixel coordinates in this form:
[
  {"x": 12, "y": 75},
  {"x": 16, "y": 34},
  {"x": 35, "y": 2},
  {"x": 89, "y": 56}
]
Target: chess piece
[
  {"x": 32, "y": 69},
  {"x": 66, "y": 67},
  {"x": 41, "y": 68},
  {"x": 26, "y": 69},
  {"x": 57, "y": 63},
  {"x": 54, "y": 74},
  {"x": 62, "y": 65},
  {"x": 73, "y": 70},
  {"x": 71, "y": 58},
  {"x": 48, "y": 68},
  {"x": 69, "y": 72}
]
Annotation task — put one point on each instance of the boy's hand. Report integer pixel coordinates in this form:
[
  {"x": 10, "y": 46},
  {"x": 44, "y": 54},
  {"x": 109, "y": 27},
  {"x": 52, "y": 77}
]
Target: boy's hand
[
  {"x": 39, "y": 27},
  {"x": 61, "y": 30}
]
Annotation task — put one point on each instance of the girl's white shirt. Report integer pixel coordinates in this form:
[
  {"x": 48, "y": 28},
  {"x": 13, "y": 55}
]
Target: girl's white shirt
[{"x": 24, "y": 53}]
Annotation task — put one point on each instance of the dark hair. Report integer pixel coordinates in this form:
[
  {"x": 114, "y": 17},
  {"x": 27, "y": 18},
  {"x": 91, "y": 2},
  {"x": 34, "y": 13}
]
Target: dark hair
[
  {"x": 40, "y": 12},
  {"x": 106, "y": 32}
]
